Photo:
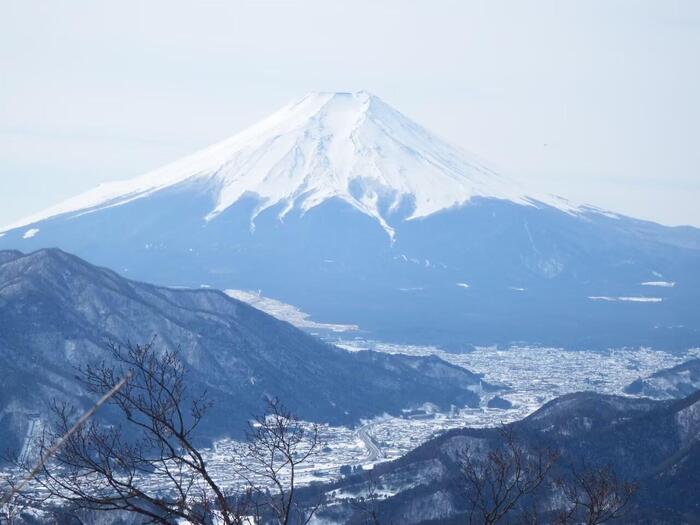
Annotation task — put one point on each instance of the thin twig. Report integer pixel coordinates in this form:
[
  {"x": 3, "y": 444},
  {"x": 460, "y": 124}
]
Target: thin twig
[{"x": 56, "y": 446}]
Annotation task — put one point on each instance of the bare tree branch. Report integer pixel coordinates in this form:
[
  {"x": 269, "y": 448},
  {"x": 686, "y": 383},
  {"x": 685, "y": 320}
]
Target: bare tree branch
[
  {"x": 100, "y": 467},
  {"x": 497, "y": 480},
  {"x": 595, "y": 496},
  {"x": 277, "y": 444}
]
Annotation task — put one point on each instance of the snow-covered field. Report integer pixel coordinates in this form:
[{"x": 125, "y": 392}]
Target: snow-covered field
[{"x": 534, "y": 375}]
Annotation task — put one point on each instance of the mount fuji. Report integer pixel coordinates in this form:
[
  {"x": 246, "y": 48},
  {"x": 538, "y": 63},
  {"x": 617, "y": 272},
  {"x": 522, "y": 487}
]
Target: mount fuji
[{"x": 342, "y": 206}]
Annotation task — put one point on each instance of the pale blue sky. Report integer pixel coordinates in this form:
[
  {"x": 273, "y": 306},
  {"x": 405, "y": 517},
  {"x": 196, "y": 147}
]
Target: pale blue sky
[{"x": 597, "y": 101}]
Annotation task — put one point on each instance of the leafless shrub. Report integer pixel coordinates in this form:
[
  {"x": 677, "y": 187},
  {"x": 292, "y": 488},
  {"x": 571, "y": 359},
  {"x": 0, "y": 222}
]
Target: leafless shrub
[
  {"x": 367, "y": 505},
  {"x": 497, "y": 481},
  {"x": 595, "y": 496},
  {"x": 107, "y": 468},
  {"x": 277, "y": 444}
]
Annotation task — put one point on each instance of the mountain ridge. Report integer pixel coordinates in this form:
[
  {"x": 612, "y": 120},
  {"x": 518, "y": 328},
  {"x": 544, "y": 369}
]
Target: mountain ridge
[
  {"x": 351, "y": 146},
  {"x": 650, "y": 442},
  {"x": 379, "y": 224},
  {"x": 59, "y": 312}
]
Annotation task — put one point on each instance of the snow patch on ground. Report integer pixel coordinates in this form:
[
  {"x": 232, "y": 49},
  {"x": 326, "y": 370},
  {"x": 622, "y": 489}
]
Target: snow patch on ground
[
  {"x": 626, "y": 299},
  {"x": 463, "y": 285},
  {"x": 661, "y": 284},
  {"x": 30, "y": 233},
  {"x": 688, "y": 421},
  {"x": 286, "y": 312}
]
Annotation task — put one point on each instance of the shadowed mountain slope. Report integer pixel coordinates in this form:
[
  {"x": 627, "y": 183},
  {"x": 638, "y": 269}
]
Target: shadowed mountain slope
[
  {"x": 653, "y": 443},
  {"x": 58, "y": 312}
]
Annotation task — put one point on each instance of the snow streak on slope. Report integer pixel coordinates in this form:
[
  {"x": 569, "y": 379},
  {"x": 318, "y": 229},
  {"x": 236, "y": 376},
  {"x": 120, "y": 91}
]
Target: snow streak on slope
[
  {"x": 350, "y": 146},
  {"x": 286, "y": 312}
]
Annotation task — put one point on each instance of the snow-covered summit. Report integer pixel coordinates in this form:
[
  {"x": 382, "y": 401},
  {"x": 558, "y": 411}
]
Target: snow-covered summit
[{"x": 350, "y": 146}]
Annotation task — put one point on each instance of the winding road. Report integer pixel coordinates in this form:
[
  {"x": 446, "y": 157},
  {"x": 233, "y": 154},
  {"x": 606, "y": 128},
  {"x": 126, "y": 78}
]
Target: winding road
[{"x": 374, "y": 452}]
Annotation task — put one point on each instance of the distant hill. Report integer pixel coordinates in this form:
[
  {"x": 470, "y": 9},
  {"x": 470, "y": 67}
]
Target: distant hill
[
  {"x": 654, "y": 443},
  {"x": 58, "y": 312},
  {"x": 670, "y": 383}
]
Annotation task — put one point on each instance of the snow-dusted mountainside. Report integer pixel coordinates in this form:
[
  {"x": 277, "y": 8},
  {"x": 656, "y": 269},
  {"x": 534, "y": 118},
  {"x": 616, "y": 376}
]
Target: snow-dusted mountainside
[
  {"x": 669, "y": 383},
  {"x": 350, "y": 146},
  {"x": 58, "y": 312},
  {"x": 345, "y": 209},
  {"x": 654, "y": 444}
]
